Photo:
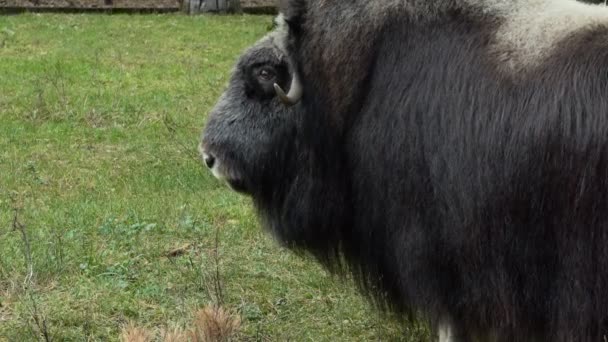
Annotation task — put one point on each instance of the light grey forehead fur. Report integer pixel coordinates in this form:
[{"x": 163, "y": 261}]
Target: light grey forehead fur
[
  {"x": 529, "y": 31},
  {"x": 274, "y": 41}
]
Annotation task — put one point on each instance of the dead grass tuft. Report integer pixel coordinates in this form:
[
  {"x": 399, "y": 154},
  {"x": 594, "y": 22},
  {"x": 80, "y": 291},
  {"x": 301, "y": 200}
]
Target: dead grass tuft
[
  {"x": 173, "y": 335},
  {"x": 215, "y": 324},
  {"x": 132, "y": 333},
  {"x": 211, "y": 324}
]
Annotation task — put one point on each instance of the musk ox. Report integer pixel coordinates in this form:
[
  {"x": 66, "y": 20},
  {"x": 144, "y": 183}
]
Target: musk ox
[{"x": 451, "y": 154}]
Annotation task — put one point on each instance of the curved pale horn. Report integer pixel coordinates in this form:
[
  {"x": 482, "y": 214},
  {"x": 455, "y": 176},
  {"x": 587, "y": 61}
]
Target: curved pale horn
[{"x": 295, "y": 91}]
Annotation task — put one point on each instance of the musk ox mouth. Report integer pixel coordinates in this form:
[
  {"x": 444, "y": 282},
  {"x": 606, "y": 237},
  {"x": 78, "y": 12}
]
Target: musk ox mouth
[{"x": 223, "y": 170}]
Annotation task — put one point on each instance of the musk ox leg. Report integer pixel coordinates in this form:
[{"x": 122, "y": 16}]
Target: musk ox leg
[{"x": 447, "y": 332}]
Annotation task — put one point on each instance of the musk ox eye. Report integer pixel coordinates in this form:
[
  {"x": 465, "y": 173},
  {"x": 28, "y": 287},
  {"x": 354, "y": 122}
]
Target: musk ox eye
[{"x": 266, "y": 74}]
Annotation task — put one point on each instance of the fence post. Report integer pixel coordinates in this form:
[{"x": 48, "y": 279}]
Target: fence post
[
  {"x": 192, "y": 6},
  {"x": 198, "y": 6},
  {"x": 195, "y": 6}
]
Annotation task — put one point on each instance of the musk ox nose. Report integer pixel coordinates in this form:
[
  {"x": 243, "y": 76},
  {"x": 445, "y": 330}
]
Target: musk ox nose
[{"x": 209, "y": 160}]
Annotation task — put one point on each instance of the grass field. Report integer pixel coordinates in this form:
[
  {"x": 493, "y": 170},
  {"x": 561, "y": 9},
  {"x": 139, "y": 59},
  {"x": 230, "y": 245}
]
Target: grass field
[{"x": 106, "y": 213}]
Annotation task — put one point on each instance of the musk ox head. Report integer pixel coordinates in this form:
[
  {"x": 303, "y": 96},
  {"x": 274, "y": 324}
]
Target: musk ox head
[
  {"x": 259, "y": 141},
  {"x": 249, "y": 132}
]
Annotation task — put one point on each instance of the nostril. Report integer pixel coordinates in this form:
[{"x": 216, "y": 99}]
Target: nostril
[{"x": 209, "y": 160}]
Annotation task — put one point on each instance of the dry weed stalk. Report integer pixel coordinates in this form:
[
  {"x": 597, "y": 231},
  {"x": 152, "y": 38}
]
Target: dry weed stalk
[
  {"x": 213, "y": 323},
  {"x": 29, "y": 285}
]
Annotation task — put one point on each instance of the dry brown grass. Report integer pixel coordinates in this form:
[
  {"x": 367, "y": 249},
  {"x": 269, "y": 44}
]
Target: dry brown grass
[
  {"x": 173, "y": 335},
  {"x": 132, "y": 333},
  {"x": 211, "y": 324}
]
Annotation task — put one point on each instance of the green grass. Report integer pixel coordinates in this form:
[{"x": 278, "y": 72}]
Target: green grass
[{"x": 99, "y": 121}]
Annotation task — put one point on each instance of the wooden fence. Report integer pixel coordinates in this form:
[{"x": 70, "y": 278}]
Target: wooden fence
[{"x": 187, "y": 6}]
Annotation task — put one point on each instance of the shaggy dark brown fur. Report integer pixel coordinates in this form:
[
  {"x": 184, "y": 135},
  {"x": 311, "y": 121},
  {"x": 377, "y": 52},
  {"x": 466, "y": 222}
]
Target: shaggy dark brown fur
[{"x": 452, "y": 155}]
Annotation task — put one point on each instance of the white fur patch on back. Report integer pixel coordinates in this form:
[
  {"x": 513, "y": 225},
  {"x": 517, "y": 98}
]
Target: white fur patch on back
[
  {"x": 533, "y": 28},
  {"x": 530, "y": 29}
]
